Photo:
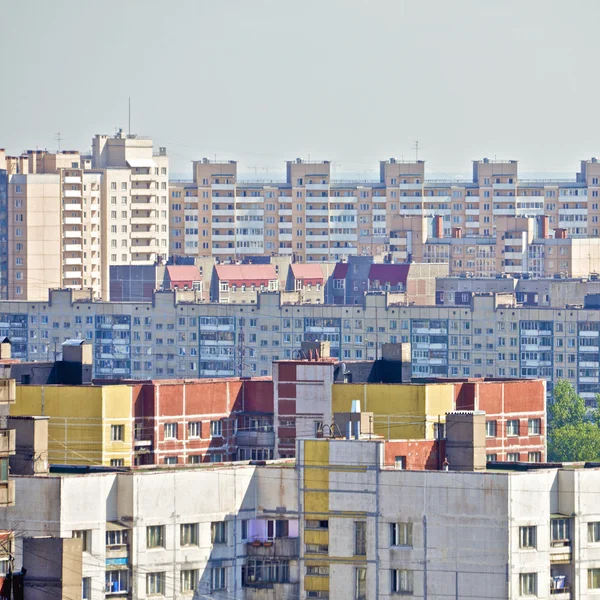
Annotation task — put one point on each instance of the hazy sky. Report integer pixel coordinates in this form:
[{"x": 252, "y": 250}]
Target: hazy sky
[{"x": 346, "y": 80}]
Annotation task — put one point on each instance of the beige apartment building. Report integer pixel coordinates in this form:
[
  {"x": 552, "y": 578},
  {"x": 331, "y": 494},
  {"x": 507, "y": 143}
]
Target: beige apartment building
[
  {"x": 70, "y": 217},
  {"x": 495, "y": 223}
]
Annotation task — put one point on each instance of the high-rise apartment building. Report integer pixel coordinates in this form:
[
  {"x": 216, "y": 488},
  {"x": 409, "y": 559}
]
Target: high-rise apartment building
[
  {"x": 494, "y": 223},
  {"x": 67, "y": 217}
]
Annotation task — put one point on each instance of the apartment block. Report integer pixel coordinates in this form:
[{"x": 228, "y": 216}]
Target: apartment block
[
  {"x": 493, "y": 336},
  {"x": 309, "y": 395},
  {"x": 67, "y": 217},
  {"x": 337, "y": 524},
  {"x": 313, "y": 218}
]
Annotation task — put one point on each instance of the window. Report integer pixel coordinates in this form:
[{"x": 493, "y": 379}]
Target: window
[
  {"x": 85, "y": 535},
  {"x": 155, "y": 536},
  {"x": 401, "y": 534},
  {"x": 86, "y": 588},
  {"x": 189, "y": 579},
  {"x": 490, "y": 428},
  {"x": 116, "y": 581},
  {"x": 117, "y": 433},
  {"x": 194, "y": 459},
  {"x": 527, "y": 536},
  {"x": 170, "y": 431},
  {"x": 534, "y": 426},
  {"x": 512, "y": 457},
  {"x": 528, "y": 584},
  {"x": 245, "y": 529},
  {"x": 593, "y": 579},
  {"x": 360, "y": 537},
  {"x": 360, "y": 584},
  {"x": 512, "y": 427},
  {"x": 155, "y": 584},
  {"x": 400, "y": 463},
  {"x": 189, "y": 534},
  {"x": 534, "y": 457},
  {"x": 559, "y": 532},
  {"x": 318, "y": 571},
  {"x": 217, "y": 578},
  {"x": 195, "y": 429},
  {"x": 216, "y": 429},
  {"x": 117, "y": 462},
  {"x": 594, "y": 532},
  {"x": 402, "y": 581},
  {"x": 116, "y": 537},
  {"x": 218, "y": 532}
]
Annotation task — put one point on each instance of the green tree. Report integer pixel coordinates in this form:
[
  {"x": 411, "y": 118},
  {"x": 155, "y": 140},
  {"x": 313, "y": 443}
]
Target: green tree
[{"x": 573, "y": 432}]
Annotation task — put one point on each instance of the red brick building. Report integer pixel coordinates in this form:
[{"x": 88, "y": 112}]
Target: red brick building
[{"x": 202, "y": 420}]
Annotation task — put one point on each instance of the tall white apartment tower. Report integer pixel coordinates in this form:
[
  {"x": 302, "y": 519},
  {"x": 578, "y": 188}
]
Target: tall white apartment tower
[{"x": 134, "y": 201}]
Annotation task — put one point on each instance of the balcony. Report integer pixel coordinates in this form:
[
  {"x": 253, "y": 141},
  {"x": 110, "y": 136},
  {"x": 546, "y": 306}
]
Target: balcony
[
  {"x": 72, "y": 180},
  {"x": 7, "y": 442},
  {"x": 279, "y": 547},
  {"x": 72, "y": 193},
  {"x": 255, "y": 438},
  {"x": 560, "y": 552},
  {"x": 72, "y": 248},
  {"x": 8, "y": 391},
  {"x": 142, "y": 177},
  {"x": 143, "y": 191},
  {"x": 68, "y": 207},
  {"x": 7, "y": 493}
]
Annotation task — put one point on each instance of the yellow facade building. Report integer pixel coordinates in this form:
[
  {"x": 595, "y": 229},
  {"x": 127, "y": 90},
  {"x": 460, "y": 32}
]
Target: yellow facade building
[
  {"x": 408, "y": 412},
  {"x": 88, "y": 425}
]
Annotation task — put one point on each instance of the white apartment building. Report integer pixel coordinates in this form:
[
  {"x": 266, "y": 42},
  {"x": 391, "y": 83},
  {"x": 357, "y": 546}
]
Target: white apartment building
[
  {"x": 69, "y": 217},
  {"x": 491, "y": 336},
  {"x": 338, "y": 525}
]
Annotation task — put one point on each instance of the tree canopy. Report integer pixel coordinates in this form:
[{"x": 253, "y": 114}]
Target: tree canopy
[{"x": 573, "y": 431}]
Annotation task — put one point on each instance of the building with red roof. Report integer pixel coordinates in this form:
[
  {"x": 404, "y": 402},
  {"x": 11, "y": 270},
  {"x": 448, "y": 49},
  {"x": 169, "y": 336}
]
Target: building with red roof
[
  {"x": 308, "y": 281},
  {"x": 183, "y": 277},
  {"x": 241, "y": 283}
]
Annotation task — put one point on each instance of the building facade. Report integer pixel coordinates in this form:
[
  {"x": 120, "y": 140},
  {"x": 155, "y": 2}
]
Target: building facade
[
  {"x": 337, "y": 525},
  {"x": 69, "y": 217},
  {"x": 314, "y": 218},
  {"x": 490, "y": 337}
]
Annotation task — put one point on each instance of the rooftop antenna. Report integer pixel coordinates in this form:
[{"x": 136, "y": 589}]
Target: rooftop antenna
[
  {"x": 416, "y": 149},
  {"x": 129, "y": 123},
  {"x": 58, "y": 138}
]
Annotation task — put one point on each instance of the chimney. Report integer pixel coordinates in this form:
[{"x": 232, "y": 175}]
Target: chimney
[
  {"x": 457, "y": 232},
  {"x": 5, "y": 348},
  {"x": 545, "y": 227},
  {"x": 31, "y": 456},
  {"x": 465, "y": 440},
  {"x": 438, "y": 227},
  {"x": 560, "y": 233}
]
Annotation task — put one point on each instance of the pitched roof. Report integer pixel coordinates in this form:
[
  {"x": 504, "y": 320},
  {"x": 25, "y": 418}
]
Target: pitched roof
[
  {"x": 184, "y": 273},
  {"x": 340, "y": 271},
  {"x": 389, "y": 273},
  {"x": 252, "y": 273},
  {"x": 307, "y": 271}
]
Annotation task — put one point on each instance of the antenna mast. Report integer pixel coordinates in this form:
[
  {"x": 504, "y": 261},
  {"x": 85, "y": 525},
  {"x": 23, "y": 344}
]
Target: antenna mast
[{"x": 129, "y": 127}]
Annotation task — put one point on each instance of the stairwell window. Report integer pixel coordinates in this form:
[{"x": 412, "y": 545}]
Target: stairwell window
[
  {"x": 218, "y": 531},
  {"x": 401, "y": 534},
  {"x": 402, "y": 581},
  {"x": 360, "y": 584},
  {"x": 560, "y": 530},
  {"x": 117, "y": 433},
  {"x": 360, "y": 538}
]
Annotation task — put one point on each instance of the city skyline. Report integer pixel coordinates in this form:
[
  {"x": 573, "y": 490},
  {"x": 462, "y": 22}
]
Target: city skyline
[{"x": 368, "y": 82}]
